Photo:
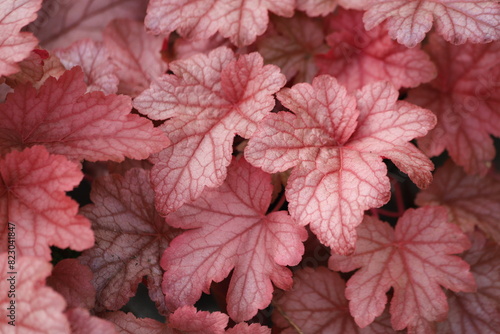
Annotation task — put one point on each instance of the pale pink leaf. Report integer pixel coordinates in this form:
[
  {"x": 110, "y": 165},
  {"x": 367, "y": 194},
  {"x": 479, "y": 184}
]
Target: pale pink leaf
[
  {"x": 127, "y": 323},
  {"x": 130, "y": 239},
  {"x": 93, "y": 58},
  {"x": 293, "y": 49},
  {"x": 458, "y": 21},
  {"x": 230, "y": 230},
  {"x": 244, "y": 328},
  {"x": 477, "y": 312},
  {"x": 83, "y": 323},
  {"x": 73, "y": 281},
  {"x": 61, "y": 23},
  {"x": 414, "y": 259},
  {"x": 37, "y": 308},
  {"x": 68, "y": 121},
  {"x": 336, "y": 143},
  {"x": 32, "y": 197},
  {"x": 317, "y": 7},
  {"x": 185, "y": 48},
  {"x": 317, "y": 305},
  {"x": 239, "y": 20},
  {"x": 135, "y": 53},
  {"x": 464, "y": 98},
  {"x": 187, "y": 320},
  {"x": 358, "y": 57},
  {"x": 208, "y": 100},
  {"x": 471, "y": 200},
  {"x": 15, "y": 45}
]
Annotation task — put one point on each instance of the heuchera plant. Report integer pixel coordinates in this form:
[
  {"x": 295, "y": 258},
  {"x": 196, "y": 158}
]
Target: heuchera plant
[{"x": 256, "y": 166}]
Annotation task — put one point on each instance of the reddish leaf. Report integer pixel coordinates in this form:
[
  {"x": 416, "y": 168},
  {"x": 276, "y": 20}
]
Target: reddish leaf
[
  {"x": 457, "y": 21},
  {"x": 37, "y": 308},
  {"x": 15, "y": 45},
  {"x": 32, "y": 197},
  {"x": 317, "y": 305},
  {"x": 464, "y": 98},
  {"x": 30, "y": 69},
  {"x": 359, "y": 57},
  {"x": 67, "y": 121},
  {"x": 127, "y": 323},
  {"x": 477, "y": 312},
  {"x": 187, "y": 320},
  {"x": 61, "y": 23},
  {"x": 208, "y": 100},
  {"x": 241, "y": 20},
  {"x": 135, "y": 53},
  {"x": 293, "y": 49},
  {"x": 83, "y": 323},
  {"x": 185, "y": 48},
  {"x": 130, "y": 238},
  {"x": 337, "y": 148},
  {"x": 471, "y": 200},
  {"x": 414, "y": 259},
  {"x": 93, "y": 58},
  {"x": 230, "y": 230},
  {"x": 73, "y": 281},
  {"x": 244, "y": 328}
]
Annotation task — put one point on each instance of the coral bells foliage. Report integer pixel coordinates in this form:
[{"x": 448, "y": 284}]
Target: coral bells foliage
[{"x": 256, "y": 166}]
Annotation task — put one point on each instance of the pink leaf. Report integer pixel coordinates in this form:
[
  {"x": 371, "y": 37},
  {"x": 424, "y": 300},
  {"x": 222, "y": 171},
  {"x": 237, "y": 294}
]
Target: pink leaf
[
  {"x": 230, "y": 230},
  {"x": 293, "y": 49},
  {"x": 477, "y": 312},
  {"x": 135, "y": 53},
  {"x": 187, "y": 320},
  {"x": 15, "y": 45},
  {"x": 73, "y": 281},
  {"x": 241, "y": 20},
  {"x": 67, "y": 121},
  {"x": 61, "y": 23},
  {"x": 337, "y": 142},
  {"x": 317, "y": 7},
  {"x": 315, "y": 305},
  {"x": 30, "y": 69},
  {"x": 208, "y": 100},
  {"x": 34, "y": 308},
  {"x": 414, "y": 259},
  {"x": 471, "y": 200},
  {"x": 464, "y": 98},
  {"x": 32, "y": 197},
  {"x": 130, "y": 238},
  {"x": 244, "y": 328},
  {"x": 93, "y": 58},
  {"x": 457, "y": 21},
  {"x": 127, "y": 323},
  {"x": 83, "y": 323},
  {"x": 359, "y": 57}
]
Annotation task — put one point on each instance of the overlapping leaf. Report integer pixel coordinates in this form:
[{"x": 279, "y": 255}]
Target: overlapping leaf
[
  {"x": 83, "y": 323},
  {"x": 33, "y": 199},
  {"x": 464, "y": 96},
  {"x": 240, "y": 20},
  {"x": 229, "y": 229},
  {"x": 208, "y": 100},
  {"x": 457, "y": 21},
  {"x": 414, "y": 259},
  {"x": 67, "y": 121},
  {"x": 336, "y": 143}
]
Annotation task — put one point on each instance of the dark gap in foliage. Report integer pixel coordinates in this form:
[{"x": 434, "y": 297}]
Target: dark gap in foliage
[{"x": 142, "y": 306}]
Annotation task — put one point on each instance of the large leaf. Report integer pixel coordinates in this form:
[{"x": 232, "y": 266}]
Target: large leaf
[{"x": 336, "y": 143}]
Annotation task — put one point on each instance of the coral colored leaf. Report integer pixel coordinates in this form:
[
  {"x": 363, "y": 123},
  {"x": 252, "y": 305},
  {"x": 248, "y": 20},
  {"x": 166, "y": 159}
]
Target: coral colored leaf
[
  {"x": 73, "y": 281},
  {"x": 414, "y": 259},
  {"x": 465, "y": 99},
  {"x": 336, "y": 143},
  {"x": 67, "y": 121},
  {"x": 37, "y": 308},
  {"x": 15, "y": 45},
  {"x": 135, "y": 53},
  {"x": 83, "y": 323},
  {"x": 187, "y": 320},
  {"x": 293, "y": 49},
  {"x": 239, "y": 20},
  {"x": 130, "y": 238},
  {"x": 208, "y": 100},
  {"x": 244, "y": 328},
  {"x": 229, "y": 229},
  {"x": 458, "y": 21},
  {"x": 359, "y": 57},
  {"x": 61, "y": 23},
  {"x": 93, "y": 58},
  {"x": 317, "y": 305},
  {"x": 471, "y": 200},
  {"x": 127, "y": 323},
  {"x": 32, "y": 197},
  {"x": 477, "y": 312}
]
